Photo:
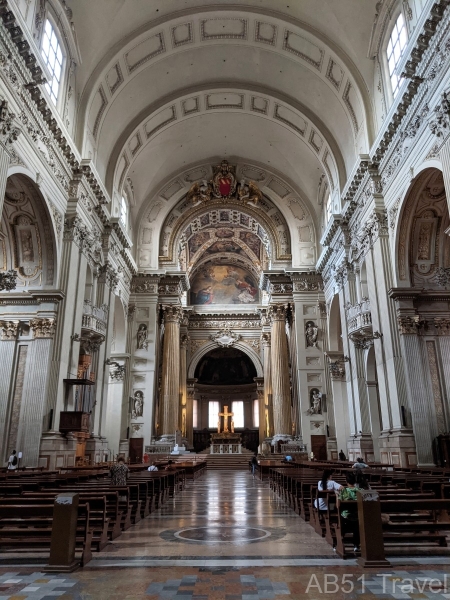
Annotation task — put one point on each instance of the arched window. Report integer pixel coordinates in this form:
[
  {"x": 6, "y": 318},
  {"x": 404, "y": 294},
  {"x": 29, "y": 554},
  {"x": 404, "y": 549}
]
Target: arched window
[
  {"x": 51, "y": 51},
  {"x": 123, "y": 212},
  {"x": 395, "y": 48}
]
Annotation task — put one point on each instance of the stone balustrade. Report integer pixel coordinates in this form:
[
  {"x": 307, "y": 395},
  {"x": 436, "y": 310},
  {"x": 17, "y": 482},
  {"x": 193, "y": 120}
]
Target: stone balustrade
[
  {"x": 94, "y": 318},
  {"x": 359, "y": 316}
]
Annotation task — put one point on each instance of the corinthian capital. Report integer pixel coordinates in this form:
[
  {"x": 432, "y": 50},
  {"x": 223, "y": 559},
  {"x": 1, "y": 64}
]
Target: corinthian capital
[
  {"x": 9, "y": 330},
  {"x": 173, "y": 313},
  {"x": 43, "y": 328},
  {"x": 278, "y": 312}
]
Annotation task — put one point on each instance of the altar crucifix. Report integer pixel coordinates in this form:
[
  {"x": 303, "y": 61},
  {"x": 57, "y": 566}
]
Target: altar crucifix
[{"x": 225, "y": 414}]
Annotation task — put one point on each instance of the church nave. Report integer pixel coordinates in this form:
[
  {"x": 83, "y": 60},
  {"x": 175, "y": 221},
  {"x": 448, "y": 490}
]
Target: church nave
[{"x": 225, "y": 518}]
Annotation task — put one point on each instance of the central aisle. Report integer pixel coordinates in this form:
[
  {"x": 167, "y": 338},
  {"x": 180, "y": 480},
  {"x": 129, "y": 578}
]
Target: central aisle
[{"x": 223, "y": 515}]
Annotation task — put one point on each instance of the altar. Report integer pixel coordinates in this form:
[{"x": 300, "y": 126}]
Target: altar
[{"x": 226, "y": 441}]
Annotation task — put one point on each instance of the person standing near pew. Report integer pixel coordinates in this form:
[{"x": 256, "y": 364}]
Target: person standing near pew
[
  {"x": 326, "y": 483},
  {"x": 119, "y": 472},
  {"x": 12, "y": 461},
  {"x": 350, "y": 517}
]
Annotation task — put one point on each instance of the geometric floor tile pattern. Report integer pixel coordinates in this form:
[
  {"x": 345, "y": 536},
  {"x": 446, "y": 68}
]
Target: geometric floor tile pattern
[{"x": 287, "y": 583}]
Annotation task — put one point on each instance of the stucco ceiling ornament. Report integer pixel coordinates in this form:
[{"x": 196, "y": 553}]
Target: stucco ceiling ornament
[
  {"x": 223, "y": 185},
  {"x": 225, "y": 338}
]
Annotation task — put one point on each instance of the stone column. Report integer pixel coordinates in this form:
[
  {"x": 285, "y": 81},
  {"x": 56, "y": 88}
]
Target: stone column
[
  {"x": 260, "y": 393},
  {"x": 8, "y": 135},
  {"x": 190, "y": 411},
  {"x": 127, "y": 383},
  {"x": 170, "y": 380},
  {"x": 182, "y": 426},
  {"x": 281, "y": 392},
  {"x": 8, "y": 337},
  {"x": 268, "y": 408}
]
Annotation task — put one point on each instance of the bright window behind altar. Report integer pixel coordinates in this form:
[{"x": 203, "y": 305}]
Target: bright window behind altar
[
  {"x": 195, "y": 413},
  {"x": 213, "y": 414},
  {"x": 255, "y": 413},
  {"x": 237, "y": 407}
]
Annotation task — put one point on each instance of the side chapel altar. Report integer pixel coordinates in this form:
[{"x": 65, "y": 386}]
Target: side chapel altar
[{"x": 226, "y": 441}]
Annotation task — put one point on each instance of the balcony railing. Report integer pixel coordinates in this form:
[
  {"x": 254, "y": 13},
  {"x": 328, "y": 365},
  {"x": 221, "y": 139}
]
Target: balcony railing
[
  {"x": 94, "y": 318},
  {"x": 359, "y": 316}
]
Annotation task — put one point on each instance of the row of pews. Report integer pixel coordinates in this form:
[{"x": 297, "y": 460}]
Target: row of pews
[
  {"x": 28, "y": 500},
  {"x": 414, "y": 507}
]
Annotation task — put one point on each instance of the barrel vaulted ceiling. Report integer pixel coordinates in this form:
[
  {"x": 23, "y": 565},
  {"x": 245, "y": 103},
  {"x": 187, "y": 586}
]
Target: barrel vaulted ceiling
[{"x": 166, "y": 85}]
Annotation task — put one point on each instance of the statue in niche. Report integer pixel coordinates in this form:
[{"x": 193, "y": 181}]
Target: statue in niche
[
  {"x": 142, "y": 341},
  {"x": 138, "y": 405},
  {"x": 312, "y": 333},
  {"x": 315, "y": 402}
]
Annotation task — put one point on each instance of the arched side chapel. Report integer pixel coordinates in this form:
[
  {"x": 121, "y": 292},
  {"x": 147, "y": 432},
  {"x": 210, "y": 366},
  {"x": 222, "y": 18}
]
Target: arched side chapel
[{"x": 319, "y": 283}]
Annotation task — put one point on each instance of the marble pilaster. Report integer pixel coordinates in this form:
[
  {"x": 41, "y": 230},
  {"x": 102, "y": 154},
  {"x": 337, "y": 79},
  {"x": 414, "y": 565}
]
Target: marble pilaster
[{"x": 8, "y": 337}]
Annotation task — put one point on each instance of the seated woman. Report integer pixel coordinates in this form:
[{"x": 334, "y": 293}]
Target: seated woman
[
  {"x": 326, "y": 483},
  {"x": 350, "y": 517}
]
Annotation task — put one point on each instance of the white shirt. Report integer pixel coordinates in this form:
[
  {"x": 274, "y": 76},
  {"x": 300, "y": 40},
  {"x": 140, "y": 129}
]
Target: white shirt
[
  {"x": 331, "y": 485},
  {"x": 12, "y": 467},
  {"x": 152, "y": 468}
]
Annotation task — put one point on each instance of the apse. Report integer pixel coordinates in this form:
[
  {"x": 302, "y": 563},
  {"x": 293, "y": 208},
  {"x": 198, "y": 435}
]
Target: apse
[{"x": 225, "y": 366}]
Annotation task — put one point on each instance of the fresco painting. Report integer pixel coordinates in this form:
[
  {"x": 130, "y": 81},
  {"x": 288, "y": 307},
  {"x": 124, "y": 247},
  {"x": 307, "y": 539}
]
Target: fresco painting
[{"x": 224, "y": 284}]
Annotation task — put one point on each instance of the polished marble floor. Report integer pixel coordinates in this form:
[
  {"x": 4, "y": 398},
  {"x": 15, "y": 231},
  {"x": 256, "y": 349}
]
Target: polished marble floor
[
  {"x": 225, "y": 537},
  {"x": 222, "y": 515}
]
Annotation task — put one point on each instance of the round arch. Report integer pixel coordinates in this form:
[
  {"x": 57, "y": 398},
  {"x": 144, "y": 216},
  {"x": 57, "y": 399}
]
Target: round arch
[
  {"x": 421, "y": 245},
  {"x": 200, "y": 353},
  {"x": 28, "y": 232}
]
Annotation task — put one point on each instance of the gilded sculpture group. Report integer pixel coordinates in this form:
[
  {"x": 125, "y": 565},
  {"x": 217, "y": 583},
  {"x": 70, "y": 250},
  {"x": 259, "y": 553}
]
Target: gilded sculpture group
[{"x": 224, "y": 185}]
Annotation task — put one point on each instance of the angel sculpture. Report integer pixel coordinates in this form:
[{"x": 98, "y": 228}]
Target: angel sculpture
[
  {"x": 199, "y": 192},
  {"x": 254, "y": 193},
  {"x": 243, "y": 193}
]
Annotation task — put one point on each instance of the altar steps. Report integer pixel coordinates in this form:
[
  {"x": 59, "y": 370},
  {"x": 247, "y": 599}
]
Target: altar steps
[{"x": 227, "y": 462}]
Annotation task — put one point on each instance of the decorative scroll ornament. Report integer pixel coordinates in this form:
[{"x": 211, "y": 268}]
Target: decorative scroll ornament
[
  {"x": 363, "y": 341},
  {"x": 225, "y": 338},
  {"x": 440, "y": 123},
  {"x": 223, "y": 185},
  {"x": 117, "y": 373},
  {"x": 8, "y": 133},
  {"x": 9, "y": 330},
  {"x": 43, "y": 328},
  {"x": 8, "y": 280}
]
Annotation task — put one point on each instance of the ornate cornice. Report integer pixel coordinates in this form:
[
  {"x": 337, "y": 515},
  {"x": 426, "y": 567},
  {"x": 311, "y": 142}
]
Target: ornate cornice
[
  {"x": 307, "y": 282},
  {"x": 224, "y": 320},
  {"x": 225, "y": 337}
]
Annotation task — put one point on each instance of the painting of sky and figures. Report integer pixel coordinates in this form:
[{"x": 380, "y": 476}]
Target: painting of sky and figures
[{"x": 224, "y": 284}]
